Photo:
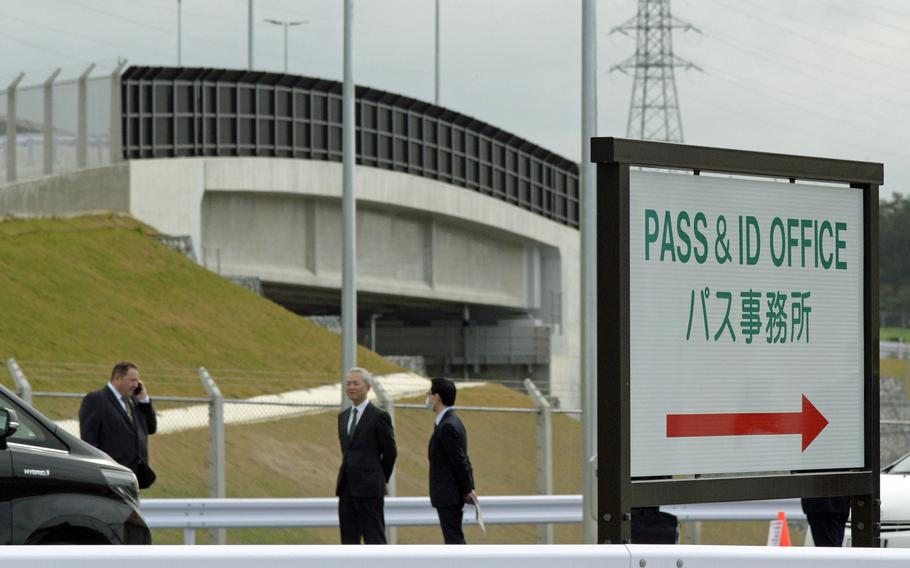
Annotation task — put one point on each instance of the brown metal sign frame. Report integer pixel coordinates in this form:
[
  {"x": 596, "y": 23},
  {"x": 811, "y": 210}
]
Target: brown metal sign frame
[{"x": 618, "y": 492}]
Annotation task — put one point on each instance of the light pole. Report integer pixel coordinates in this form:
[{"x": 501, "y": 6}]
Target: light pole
[
  {"x": 249, "y": 36},
  {"x": 285, "y": 25},
  {"x": 588, "y": 270},
  {"x": 436, "y": 67},
  {"x": 348, "y": 206},
  {"x": 179, "y": 33}
]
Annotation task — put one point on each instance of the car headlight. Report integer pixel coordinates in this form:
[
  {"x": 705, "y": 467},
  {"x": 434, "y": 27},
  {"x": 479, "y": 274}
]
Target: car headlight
[{"x": 124, "y": 484}]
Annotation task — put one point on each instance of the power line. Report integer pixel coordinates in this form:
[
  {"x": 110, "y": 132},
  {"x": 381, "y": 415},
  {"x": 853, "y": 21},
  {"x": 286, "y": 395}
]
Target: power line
[
  {"x": 838, "y": 32},
  {"x": 889, "y": 9},
  {"x": 863, "y": 16},
  {"x": 837, "y": 121},
  {"x": 147, "y": 25},
  {"x": 533, "y": 20},
  {"x": 786, "y": 61},
  {"x": 173, "y": 10},
  {"x": 823, "y": 45},
  {"x": 70, "y": 56},
  {"x": 92, "y": 38},
  {"x": 810, "y": 135}
]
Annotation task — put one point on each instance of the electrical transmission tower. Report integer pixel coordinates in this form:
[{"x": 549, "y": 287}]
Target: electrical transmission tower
[{"x": 654, "y": 108}]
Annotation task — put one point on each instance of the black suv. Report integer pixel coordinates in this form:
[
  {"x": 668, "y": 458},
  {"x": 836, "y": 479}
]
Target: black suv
[{"x": 56, "y": 489}]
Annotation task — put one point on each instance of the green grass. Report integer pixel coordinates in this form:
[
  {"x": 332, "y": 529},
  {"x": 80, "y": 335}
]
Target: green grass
[
  {"x": 94, "y": 290},
  {"x": 894, "y": 334}
]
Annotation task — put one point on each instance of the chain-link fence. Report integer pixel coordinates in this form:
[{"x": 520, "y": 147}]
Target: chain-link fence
[
  {"x": 222, "y": 437},
  {"x": 285, "y": 444},
  {"x": 60, "y": 125}
]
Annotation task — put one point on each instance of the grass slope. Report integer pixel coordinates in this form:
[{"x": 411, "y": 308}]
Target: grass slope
[{"x": 98, "y": 289}]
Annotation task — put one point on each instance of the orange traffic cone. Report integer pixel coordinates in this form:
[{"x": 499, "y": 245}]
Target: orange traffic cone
[{"x": 784, "y": 529}]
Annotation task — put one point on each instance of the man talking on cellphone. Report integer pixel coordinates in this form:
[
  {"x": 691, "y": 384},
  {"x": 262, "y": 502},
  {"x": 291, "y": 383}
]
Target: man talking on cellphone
[{"x": 118, "y": 418}]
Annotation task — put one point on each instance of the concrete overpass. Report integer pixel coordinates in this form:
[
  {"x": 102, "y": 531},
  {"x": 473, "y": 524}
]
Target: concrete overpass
[{"x": 467, "y": 240}]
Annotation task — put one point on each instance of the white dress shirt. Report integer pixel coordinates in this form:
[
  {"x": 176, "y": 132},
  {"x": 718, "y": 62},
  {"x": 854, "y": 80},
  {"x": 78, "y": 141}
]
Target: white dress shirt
[
  {"x": 119, "y": 397},
  {"x": 441, "y": 414},
  {"x": 360, "y": 408}
]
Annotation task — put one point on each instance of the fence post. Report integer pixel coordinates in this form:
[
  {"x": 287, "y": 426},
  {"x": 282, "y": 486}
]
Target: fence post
[
  {"x": 216, "y": 444},
  {"x": 389, "y": 406},
  {"x": 11, "y": 123},
  {"x": 116, "y": 142},
  {"x": 544, "y": 453},
  {"x": 23, "y": 387},
  {"x": 49, "y": 145},
  {"x": 82, "y": 119}
]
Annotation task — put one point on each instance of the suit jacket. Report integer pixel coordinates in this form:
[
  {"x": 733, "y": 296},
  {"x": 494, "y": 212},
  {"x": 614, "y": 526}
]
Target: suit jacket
[
  {"x": 104, "y": 424},
  {"x": 368, "y": 454},
  {"x": 451, "y": 474}
]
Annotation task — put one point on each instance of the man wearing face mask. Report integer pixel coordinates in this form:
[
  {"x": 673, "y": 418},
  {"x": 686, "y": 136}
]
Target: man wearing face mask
[{"x": 451, "y": 474}]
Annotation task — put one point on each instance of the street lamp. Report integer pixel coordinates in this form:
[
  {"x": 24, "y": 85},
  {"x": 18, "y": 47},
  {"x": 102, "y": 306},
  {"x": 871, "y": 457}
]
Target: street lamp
[
  {"x": 436, "y": 66},
  {"x": 179, "y": 33},
  {"x": 285, "y": 25}
]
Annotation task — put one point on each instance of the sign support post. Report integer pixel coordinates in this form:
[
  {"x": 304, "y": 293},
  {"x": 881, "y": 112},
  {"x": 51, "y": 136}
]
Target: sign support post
[{"x": 614, "y": 507}]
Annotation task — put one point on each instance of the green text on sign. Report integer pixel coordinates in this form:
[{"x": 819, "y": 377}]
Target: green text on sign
[{"x": 792, "y": 242}]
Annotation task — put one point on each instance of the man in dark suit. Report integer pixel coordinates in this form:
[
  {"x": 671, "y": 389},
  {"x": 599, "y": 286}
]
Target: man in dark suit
[
  {"x": 118, "y": 419},
  {"x": 451, "y": 474},
  {"x": 827, "y": 518},
  {"x": 368, "y": 455}
]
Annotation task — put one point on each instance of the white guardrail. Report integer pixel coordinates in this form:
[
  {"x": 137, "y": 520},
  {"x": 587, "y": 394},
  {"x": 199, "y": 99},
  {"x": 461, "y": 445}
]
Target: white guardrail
[
  {"x": 194, "y": 514},
  {"x": 439, "y": 556},
  {"x": 893, "y": 349}
]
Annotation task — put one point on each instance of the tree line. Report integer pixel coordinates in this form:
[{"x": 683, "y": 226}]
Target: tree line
[{"x": 894, "y": 254}]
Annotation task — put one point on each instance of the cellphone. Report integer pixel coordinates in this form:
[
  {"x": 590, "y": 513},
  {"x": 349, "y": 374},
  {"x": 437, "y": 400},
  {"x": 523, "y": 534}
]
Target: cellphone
[{"x": 138, "y": 389}]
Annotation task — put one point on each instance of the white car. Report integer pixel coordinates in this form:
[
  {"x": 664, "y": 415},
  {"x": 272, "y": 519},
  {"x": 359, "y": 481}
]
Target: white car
[{"x": 895, "y": 496}]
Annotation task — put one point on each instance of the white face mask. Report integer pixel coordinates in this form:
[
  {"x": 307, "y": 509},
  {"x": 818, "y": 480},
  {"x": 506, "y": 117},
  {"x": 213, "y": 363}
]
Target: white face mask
[{"x": 429, "y": 402}]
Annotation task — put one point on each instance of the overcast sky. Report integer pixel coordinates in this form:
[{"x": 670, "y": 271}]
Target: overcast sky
[{"x": 816, "y": 77}]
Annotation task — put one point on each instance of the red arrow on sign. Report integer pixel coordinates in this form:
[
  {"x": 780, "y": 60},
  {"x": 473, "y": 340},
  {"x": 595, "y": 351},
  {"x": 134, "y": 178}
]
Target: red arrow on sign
[{"x": 809, "y": 423}]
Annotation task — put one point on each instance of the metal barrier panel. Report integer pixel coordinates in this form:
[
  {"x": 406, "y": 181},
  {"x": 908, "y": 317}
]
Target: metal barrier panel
[
  {"x": 60, "y": 126},
  {"x": 332, "y": 556},
  {"x": 505, "y": 556},
  {"x": 30, "y": 131},
  {"x": 765, "y": 557},
  {"x": 65, "y": 124},
  {"x": 3, "y": 138},
  {"x": 323, "y": 513},
  {"x": 98, "y": 121},
  {"x": 171, "y": 112}
]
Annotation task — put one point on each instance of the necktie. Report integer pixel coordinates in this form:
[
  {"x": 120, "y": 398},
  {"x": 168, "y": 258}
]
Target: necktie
[
  {"x": 129, "y": 409},
  {"x": 353, "y": 421}
]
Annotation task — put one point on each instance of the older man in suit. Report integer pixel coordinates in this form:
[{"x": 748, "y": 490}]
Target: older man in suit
[
  {"x": 118, "y": 419},
  {"x": 451, "y": 474},
  {"x": 368, "y": 455}
]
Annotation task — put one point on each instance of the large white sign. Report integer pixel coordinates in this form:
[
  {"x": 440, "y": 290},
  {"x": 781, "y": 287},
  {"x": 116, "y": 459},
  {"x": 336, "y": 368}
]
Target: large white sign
[{"x": 746, "y": 325}]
